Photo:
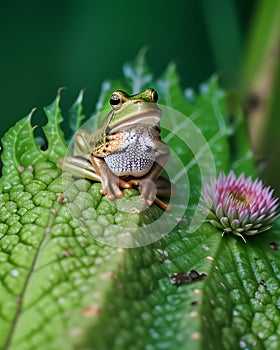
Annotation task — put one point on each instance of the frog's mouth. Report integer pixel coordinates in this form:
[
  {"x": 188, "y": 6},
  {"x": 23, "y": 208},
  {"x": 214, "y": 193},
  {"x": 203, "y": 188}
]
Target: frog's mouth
[{"x": 149, "y": 117}]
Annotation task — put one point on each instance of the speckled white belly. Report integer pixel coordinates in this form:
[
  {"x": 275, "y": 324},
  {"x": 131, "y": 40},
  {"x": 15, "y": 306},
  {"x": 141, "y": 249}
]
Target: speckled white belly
[{"x": 136, "y": 156}]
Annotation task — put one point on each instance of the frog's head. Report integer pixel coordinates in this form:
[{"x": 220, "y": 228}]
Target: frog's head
[{"x": 133, "y": 109}]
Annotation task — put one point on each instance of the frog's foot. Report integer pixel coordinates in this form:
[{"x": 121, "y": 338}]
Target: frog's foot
[
  {"x": 147, "y": 189},
  {"x": 111, "y": 186},
  {"x": 148, "y": 192}
]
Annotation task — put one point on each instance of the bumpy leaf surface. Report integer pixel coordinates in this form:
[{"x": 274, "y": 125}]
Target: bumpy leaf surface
[{"x": 60, "y": 289}]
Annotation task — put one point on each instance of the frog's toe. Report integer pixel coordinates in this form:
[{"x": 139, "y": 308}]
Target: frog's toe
[
  {"x": 148, "y": 191},
  {"x": 124, "y": 184},
  {"x": 115, "y": 193},
  {"x": 149, "y": 202},
  {"x": 112, "y": 191},
  {"x": 111, "y": 196}
]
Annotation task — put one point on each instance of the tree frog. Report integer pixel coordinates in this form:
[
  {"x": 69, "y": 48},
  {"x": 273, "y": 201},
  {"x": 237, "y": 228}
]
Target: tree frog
[{"x": 126, "y": 151}]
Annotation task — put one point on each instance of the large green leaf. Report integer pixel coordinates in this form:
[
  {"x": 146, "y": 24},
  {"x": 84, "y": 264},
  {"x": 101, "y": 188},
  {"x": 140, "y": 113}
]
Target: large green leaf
[{"x": 61, "y": 289}]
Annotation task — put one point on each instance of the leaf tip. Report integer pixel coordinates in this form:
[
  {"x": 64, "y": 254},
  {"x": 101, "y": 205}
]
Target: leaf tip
[
  {"x": 30, "y": 115},
  {"x": 59, "y": 91},
  {"x": 142, "y": 53}
]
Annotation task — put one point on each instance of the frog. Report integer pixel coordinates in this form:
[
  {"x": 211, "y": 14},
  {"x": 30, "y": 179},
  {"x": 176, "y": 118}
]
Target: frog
[{"x": 126, "y": 151}]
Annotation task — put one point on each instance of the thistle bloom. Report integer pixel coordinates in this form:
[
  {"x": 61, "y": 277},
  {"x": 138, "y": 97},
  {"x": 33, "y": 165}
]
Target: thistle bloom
[{"x": 240, "y": 206}]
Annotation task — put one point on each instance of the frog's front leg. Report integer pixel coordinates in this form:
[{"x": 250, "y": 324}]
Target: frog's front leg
[
  {"x": 79, "y": 167},
  {"x": 110, "y": 183},
  {"x": 79, "y": 164},
  {"x": 82, "y": 142}
]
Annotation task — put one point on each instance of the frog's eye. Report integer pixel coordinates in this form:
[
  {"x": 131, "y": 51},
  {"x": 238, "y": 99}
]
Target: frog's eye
[
  {"x": 152, "y": 94},
  {"x": 115, "y": 100},
  {"x": 155, "y": 95}
]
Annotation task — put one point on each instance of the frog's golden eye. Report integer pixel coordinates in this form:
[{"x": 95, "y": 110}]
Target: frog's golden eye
[
  {"x": 115, "y": 100},
  {"x": 155, "y": 95},
  {"x": 152, "y": 94}
]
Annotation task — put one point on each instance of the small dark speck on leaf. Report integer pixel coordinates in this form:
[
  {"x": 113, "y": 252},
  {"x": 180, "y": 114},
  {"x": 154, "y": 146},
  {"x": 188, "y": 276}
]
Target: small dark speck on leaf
[
  {"x": 179, "y": 278},
  {"x": 253, "y": 102},
  {"x": 273, "y": 246},
  {"x": 262, "y": 282},
  {"x": 61, "y": 198},
  {"x": 44, "y": 147}
]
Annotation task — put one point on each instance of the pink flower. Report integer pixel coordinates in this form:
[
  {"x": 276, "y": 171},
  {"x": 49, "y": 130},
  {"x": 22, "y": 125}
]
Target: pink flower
[{"x": 240, "y": 206}]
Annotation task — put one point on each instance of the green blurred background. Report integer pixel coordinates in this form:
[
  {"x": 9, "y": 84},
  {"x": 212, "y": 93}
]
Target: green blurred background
[
  {"x": 49, "y": 44},
  {"x": 77, "y": 44}
]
